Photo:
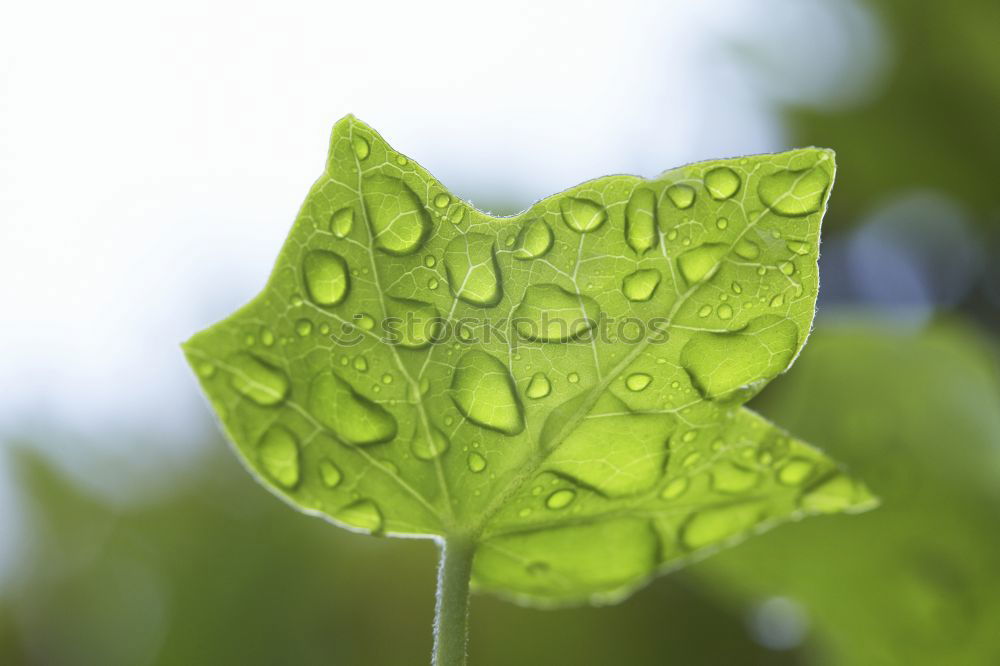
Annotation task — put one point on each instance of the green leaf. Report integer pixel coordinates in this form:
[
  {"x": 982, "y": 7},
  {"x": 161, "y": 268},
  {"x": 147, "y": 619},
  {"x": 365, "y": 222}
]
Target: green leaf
[{"x": 562, "y": 387}]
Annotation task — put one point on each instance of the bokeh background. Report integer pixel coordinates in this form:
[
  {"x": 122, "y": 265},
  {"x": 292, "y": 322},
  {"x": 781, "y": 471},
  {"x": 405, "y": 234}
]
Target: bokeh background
[{"x": 152, "y": 158}]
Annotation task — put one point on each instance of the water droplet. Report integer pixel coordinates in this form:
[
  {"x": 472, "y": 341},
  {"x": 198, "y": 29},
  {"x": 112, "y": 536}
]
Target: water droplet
[
  {"x": 675, "y": 488},
  {"x": 702, "y": 262},
  {"x": 538, "y": 387},
  {"x": 778, "y": 301},
  {"x": 341, "y": 222},
  {"x": 641, "y": 285},
  {"x": 361, "y": 364},
  {"x": 725, "y": 311},
  {"x": 401, "y": 160},
  {"x": 794, "y": 193},
  {"x": 484, "y": 392},
  {"x": 798, "y": 247},
  {"x": 737, "y": 288},
  {"x": 352, "y": 417},
  {"x": 278, "y": 452},
  {"x": 205, "y": 369},
  {"x": 329, "y": 473},
  {"x": 638, "y": 381},
  {"x": 722, "y": 183},
  {"x": 412, "y": 324},
  {"x": 747, "y": 249},
  {"x": 714, "y": 525},
  {"x": 534, "y": 240},
  {"x": 719, "y": 363},
  {"x": 691, "y": 459},
  {"x": 640, "y": 221},
  {"x": 387, "y": 378},
  {"x": 476, "y": 462},
  {"x": 582, "y": 215},
  {"x": 681, "y": 196},
  {"x": 730, "y": 478},
  {"x": 722, "y": 223},
  {"x": 787, "y": 267},
  {"x": 442, "y": 200},
  {"x": 433, "y": 284},
  {"x": 429, "y": 447},
  {"x": 257, "y": 380},
  {"x": 560, "y": 499},
  {"x": 833, "y": 495},
  {"x": 549, "y": 313},
  {"x": 400, "y": 222},
  {"x": 361, "y": 147},
  {"x": 704, "y": 311},
  {"x": 524, "y": 513},
  {"x": 795, "y": 471},
  {"x": 573, "y": 378},
  {"x": 472, "y": 269},
  {"x": 266, "y": 337},
  {"x": 303, "y": 327},
  {"x": 363, "y": 514},
  {"x": 325, "y": 275}
]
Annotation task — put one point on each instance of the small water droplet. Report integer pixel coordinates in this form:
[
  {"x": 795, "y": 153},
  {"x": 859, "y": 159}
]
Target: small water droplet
[
  {"x": 795, "y": 471},
  {"x": 524, "y": 513},
  {"x": 360, "y": 364},
  {"x": 681, "y": 195},
  {"x": 560, "y": 499},
  {"x": 472, "y": 269},
  {"x": 430, "y": 261},
  {"x": 778, "y": 301},
  {"x": 704, "y": 311},
  {"x": 725, "y": 311},
  {"x": 538, "y": 387},
  {"x": 303, "y": 327},
  {"x": 798, "y": 247},
  {"x": 731, "y": 479},
  {"x": 261, "y": 382},
  {"x": 205, "y": 369},
  {"x": 324, "y": 329},
  {"x": 442, "y": 200},
  {"x": 638, "y": 381},
  {"x": 747, "y": 249},
  {"x": 266, "y": 337},
  {"x": 691, "y": 459},
  {"x": 401, "y": 161},
  {"x": 387, "y": 378},
  {"x": 433, "y": 284},
  {"x": 573, "y": 378},
  {"x": 429, "y": 447},
  {"x": 737, "y": 288},
  {"x": 702, "y": 262},
  {"x": 787, "y": 267},
  {"x": 722, "y": 183},
  {"x": 363, "y": 514},
  {"x": 640, "y": 221},
  {"x": 329, "y": 473},
  {"x": 722, "y": 223},
  {"x": 398, "y": 217}
]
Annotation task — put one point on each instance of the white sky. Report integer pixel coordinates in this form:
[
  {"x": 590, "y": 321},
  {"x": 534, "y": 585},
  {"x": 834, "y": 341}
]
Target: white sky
[{"x": 153, "y": 155}]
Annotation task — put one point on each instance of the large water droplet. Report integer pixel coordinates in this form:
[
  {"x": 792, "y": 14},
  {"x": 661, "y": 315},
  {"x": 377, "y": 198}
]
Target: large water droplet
[
  {"x": 398, "y": 218},
  {"x": 731, "y": 479},
  {"x": 412, "y": 324},
  {"x": 582, "y": 215},
  {"x": 329, "y": 473},
  {"x": 257, "y": 380},
  {"x": 722, "y": 362},
  {"x": 794, "y": 193},
  {"x": 722, "y": 183},
  {"x": 352, "y": 417},
  {"x": 795, "y": 471},
  {"x": 476, "y": 462},
  {"x": 361, "y": 147},
  {"x": 539, "y": 386},
  {"x": 702, "y": 262},
  {"x": 681, "y": 196},
  {"x": 363, "y": 514},
  {"x": 640, "y": 221},
  {"x": 641, "y": 285},
  {"x": 714, "y": 525},
  {"x": 798, "y": 247},
  {"x": 429, "y": 446},
  {"x": 549, "y": 313},
  {"x": 638, "y": 381},
  {"x": 534, "y": 240},
  {"x": 560, "y": 499},
  {"x": 484, "y": 392},
  {"x": 326, "y": 277},
  {"x": 473, "y": 273},
  {"x": 746, "y": 249},
  {"x": 278, "y": 452},
  {"x": 341, "y": 222}
]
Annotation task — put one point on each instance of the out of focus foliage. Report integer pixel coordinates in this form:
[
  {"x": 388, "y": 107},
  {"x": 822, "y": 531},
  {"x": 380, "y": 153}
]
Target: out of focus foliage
[{"x": 918, "y": 417}]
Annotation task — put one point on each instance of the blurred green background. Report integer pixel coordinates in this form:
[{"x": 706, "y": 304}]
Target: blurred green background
[{"x": 900, "y": 380}]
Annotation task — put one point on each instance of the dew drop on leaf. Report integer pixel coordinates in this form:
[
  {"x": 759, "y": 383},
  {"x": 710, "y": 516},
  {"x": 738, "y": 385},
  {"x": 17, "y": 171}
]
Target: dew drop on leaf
[
  {"x": 303, "y": 327},
  {"x": 534, "y": 240},
  {"x": 539, "y": 386},
  {"x": 326, "y": 278},
  {"x": 560, "y": 499},
  {"x": 798, "y": 247},
  {"x": 711, "y": 526},
  {"x": 442, "y": 200},
  {"x": 795, "y": 471},
  {"x": 429, "y": 447},
  {"x": 641, "y": 285},
  {"x": 353, "y": 418},
  {"x": 329, "y": 473},
  {"x": 722, "y": 183},
  {"x": 724, "y": 311},
  {"x": 702, "y": 262},
  {"x": 278, "y": 452},
  {"x": 342, "y": 222},
  {"x": 400, "y": 222},
  {"x": 361, "y": 147},
  {"x": 747, "y": 249},
  {"x": 472, "y": 269},
  {"x": 257, "y": 380},
  {"x": 638, "y": 381},
  {"x": 731, "y": 479},
  {"x": 794, "y": 193},
  {"x": 582, "y": 215},
  {"x": 640, "y": 221},
  {"x": 549, "y": 313},
  {"x": 674, "y": 488},
  {"x": 363, "y": 514},
  {"x": 476, "y": 462},
  {"x": 681, "y": 196},
  {"x": 483, "y": 391}
]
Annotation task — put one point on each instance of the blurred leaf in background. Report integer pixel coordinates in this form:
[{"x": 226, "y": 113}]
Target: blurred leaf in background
[{"x": 918, "y": 416}]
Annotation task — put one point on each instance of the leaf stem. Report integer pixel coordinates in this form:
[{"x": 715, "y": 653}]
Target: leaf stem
[{"x": 451, "y": 612}]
